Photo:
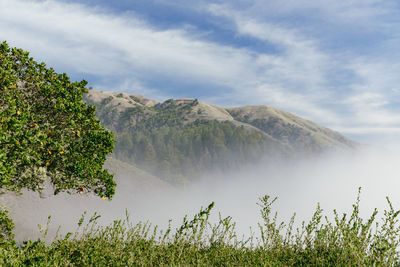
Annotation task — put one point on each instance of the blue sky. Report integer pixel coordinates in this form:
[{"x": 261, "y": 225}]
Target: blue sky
[{"x": 334, "y": 62}]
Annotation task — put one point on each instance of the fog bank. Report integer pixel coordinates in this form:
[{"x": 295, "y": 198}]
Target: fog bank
[{"x": 331, "y": 179}]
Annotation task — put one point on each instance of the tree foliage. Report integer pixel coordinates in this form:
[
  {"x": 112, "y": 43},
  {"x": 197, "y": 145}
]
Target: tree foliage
[{"x": 47, "y": 131}]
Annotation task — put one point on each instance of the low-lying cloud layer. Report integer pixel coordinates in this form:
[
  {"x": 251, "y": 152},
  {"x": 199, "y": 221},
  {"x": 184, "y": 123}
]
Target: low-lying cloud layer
[{"x": 331, "y": 180}]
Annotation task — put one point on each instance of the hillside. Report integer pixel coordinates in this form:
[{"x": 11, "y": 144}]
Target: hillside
[
  {"x": 182, "y": 138},
  {"x": 298, "y": 133}
]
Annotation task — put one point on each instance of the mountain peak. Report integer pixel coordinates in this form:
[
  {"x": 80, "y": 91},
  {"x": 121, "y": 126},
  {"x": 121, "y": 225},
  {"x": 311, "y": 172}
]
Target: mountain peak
[{"x": 178, "y": 138}]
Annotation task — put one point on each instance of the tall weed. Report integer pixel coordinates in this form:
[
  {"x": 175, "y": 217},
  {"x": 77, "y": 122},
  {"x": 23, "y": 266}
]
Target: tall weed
[{"x": 347, "y": 240}]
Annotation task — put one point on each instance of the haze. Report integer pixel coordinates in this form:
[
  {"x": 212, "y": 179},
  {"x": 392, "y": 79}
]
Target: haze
[
  {"x": 333, "y": 62},
  {"x": 332, "y": 180}
]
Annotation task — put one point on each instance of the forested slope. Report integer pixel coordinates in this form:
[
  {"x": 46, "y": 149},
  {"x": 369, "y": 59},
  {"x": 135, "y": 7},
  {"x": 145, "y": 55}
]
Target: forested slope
[{"x": 183, "y": 138}]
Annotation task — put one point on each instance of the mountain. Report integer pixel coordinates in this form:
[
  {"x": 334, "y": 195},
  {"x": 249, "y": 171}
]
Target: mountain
[
  {"x": 298, "y": 133},
  {"x": 179, "y": 140}
]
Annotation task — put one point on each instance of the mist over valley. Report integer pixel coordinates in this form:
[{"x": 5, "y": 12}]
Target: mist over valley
[
  {"x": 199, "y": 133},
  {"x": 174, "y": 157}
]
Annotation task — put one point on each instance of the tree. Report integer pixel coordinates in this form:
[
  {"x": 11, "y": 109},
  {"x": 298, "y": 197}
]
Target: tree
[{"x": 47, "y": 131}]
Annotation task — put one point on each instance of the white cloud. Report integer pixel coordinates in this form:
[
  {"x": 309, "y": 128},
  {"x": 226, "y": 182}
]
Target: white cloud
[
  {"x": 98, "y": 43},
  {"x": 91, "y": 41},
  {"x": 370, "y": 99},
  {"x": 373, "y": 96},
  {"x": 366, "y": 99},
  {"x": 367, "y": 130},
  {"x": 297, "y": 76}
]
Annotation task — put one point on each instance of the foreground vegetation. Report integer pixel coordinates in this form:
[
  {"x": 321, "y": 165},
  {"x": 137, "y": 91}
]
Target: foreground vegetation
[{"x": 345, "y": 241}]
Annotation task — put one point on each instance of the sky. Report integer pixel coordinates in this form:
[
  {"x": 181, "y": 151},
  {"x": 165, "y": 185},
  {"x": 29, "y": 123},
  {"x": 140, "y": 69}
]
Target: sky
[{"x": 336, "y": 63}]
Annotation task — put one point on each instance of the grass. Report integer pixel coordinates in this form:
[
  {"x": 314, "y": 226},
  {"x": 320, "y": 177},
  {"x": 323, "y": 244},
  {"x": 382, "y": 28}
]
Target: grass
[{"x": 347, "y": 240}]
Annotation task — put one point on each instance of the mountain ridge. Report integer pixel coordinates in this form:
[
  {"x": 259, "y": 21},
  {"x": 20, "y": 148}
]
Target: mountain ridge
[
  {"x": 183, "y": 137},
  {"x": 241, "y": 115}
]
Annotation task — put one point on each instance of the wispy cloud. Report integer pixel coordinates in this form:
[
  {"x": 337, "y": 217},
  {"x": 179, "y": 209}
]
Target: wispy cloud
[
  {"x": 87, "y": 40},
  {"x": 367, "y": 95},
  {"x": 293, "y": 78},
  {"x": 96, "y": 43},
  {"x": 359, "y": 12},
  {"x": 308, "y": 62}
]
